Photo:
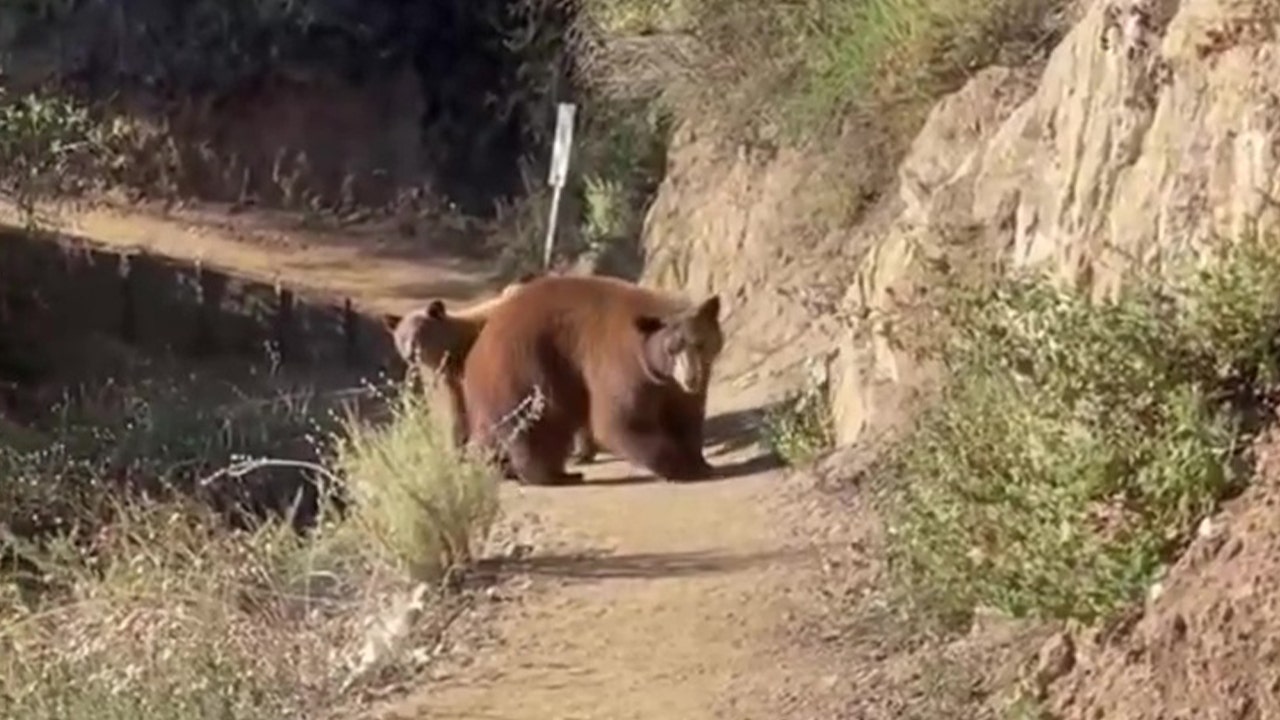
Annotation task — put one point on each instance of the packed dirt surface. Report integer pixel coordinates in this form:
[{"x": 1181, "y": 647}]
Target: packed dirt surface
[
  {"x": 369, "y": 263},
  {"x": 650, "y": 600}
]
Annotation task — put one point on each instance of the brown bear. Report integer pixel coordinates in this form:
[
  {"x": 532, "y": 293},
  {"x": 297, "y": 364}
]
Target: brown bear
[
  {"x": 630, "y": 364},
  {"x": 433, "y": 339},
  {"x": 434, "y": 342}
]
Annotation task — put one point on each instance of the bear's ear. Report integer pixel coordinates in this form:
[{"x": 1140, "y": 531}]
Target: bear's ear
[
  {"x": 648, "y": 324},
  {"x": 709, "y": 310},
  {"x": 391, "y": 321},
  {"x": 436, "y": 310}
]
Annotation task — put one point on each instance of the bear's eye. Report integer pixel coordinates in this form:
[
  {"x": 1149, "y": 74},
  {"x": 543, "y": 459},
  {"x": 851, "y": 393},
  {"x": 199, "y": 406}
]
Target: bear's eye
[{"x": 675, "y": 345}]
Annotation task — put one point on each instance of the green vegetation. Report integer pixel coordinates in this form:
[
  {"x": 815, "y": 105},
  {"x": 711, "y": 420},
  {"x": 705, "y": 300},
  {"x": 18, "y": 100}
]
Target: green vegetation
[
  {"x": 892, "y": 51},
  {"x": 617, "y": 164},
  {"x": 47, "y": 145},
  {"x": 201, "y": 46},
  {"x": 805, "y": 66},
  {"x": 426, "y": 505},
  {"x": 623, "y": 162},
  {"x": 123, "y": 595},
  {"x": 801, "y": 427},
  {"x": 173, "y": 78},
  {"x": 1078, "y": 444}
]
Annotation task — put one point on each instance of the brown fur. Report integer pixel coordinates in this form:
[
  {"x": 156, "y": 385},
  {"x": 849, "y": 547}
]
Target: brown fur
[
  {"x": 434, "y": 339},
  {"x": 606, "y": 355},
  {"x": 437, "y": 338}
]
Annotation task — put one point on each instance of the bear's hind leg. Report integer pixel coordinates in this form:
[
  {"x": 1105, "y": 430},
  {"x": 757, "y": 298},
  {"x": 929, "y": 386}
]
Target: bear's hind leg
[{"x": 538, "y": 455}]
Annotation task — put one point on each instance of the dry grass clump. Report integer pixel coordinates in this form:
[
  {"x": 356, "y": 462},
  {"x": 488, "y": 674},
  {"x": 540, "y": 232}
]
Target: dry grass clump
[
  {"x": 164, "y": 614},
  {"x": 425, "y": 504},
  {"x": 149, "y": 607},
  {"x": 805, "y": 66}
]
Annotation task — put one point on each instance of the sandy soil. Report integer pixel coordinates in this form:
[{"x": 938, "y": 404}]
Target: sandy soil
[{"x": 650, "y": 600}]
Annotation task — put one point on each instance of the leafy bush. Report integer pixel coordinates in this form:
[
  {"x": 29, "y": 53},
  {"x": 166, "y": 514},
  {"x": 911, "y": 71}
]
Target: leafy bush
[
  {"x": 851, "y": 45},
  {"x": 623, "y": 159},
  {"x": 1077, "y": 444},
  {"x": 46, "y": 144}
]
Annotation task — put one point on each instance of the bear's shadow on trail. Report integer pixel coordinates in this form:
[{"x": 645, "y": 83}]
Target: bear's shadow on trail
[
  {"x": 599, "y": 565},
  {"x": 725, "y": 434},
  {"x": 736, "y": 430}
]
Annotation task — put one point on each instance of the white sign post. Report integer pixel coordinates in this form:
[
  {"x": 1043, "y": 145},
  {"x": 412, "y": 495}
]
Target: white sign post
[{"x": 560, "y": 150}]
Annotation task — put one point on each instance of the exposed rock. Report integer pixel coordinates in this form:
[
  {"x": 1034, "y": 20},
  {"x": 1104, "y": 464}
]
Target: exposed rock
[
  {"x": 1151, "y": 135},
  {"x": 739, "y": 221},
  {"x": 1055, "y": 659},
  {"x": 874, "y": 378}
]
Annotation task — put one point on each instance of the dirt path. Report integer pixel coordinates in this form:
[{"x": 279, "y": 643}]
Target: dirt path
[
  {"x": 365, "y": 263},
  {"x": 652, "y": 601}
]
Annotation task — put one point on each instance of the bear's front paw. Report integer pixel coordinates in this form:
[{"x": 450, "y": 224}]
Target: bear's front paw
[{"x": 700, "y": 470}]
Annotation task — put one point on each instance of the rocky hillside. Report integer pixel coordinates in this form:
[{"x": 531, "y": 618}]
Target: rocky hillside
[
  {"x": 1147, "y": 134},
  {"x": 1150, "y": 134}
]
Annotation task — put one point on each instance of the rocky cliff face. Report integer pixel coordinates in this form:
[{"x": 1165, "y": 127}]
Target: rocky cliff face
[
  {"x": 1152, "y": 133},
  {"x": 738, "y": 222}
]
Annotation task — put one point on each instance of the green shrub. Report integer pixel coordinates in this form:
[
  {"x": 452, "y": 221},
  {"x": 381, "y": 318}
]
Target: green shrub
[
  {"x": 804, "y": 66},
  {"x": 424, "y": 503},
  {"x": 801, "y": 427},
  {"x": 894, "y": 50},
  {"x": 622, "y": 160},
  {"x": 1077, "y": 444},
  {"x": 47, "y": 143}
]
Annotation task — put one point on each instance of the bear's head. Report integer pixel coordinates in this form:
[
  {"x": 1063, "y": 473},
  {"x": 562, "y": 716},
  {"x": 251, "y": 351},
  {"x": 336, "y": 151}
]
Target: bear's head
[
  {"x": 683, "y": 346},
  {"x": 433, "y": 338}
]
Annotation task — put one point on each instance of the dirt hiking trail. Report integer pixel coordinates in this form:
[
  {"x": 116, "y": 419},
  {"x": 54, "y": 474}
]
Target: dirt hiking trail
[
  {"x": 649, "y": 601},
  {"x": 642, "y": 599}
]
